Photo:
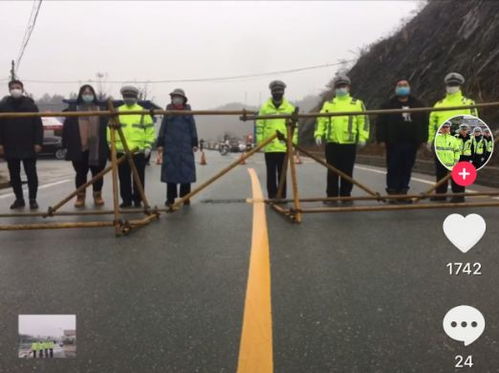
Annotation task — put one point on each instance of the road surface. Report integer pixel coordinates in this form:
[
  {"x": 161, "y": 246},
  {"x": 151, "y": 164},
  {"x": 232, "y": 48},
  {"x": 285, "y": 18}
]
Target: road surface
[{"x": 349, "y": 292}]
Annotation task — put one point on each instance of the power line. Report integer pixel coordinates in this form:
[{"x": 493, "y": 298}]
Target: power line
[
  {"x": 29, "y": 30},
  {"x": 197, "y": 80}
]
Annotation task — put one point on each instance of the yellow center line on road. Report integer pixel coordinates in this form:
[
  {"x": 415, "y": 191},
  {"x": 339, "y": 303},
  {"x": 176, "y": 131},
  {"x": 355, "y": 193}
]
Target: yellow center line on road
[{"x": 255, "y": 349}]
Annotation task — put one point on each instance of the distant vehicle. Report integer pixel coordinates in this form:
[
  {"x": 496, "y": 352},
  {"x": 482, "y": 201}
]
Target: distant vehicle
[
  {"x": 52, "y": 145},
  {"x": 242, "y": 147},
  {"x": 223, "y": 148},
  {"x": 234, "y": 146}
]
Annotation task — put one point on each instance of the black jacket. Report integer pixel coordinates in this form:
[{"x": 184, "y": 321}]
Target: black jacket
[
  {"x": 406, "y": 127},
  {"x": 20, "y": 135},
  {"x": 72, "y": 142}
]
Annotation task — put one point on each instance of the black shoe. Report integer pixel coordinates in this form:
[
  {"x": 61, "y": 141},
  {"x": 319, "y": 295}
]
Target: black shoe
[
  {"x": 18, "y": 204},
  {"x": 32, "y": 204},
  {"x": 438, "y": 199},
  {"x": 347, "y": 202},
  {"x": 137, "y": 204},
  {"x": 330, "y": 203},
  {"x": 457, "y": 200},
  {"x": 126, "y": 205}
]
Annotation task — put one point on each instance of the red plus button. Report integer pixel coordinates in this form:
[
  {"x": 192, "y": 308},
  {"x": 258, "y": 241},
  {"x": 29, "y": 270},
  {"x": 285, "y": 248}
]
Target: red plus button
[{"x": 464, "y": 173}]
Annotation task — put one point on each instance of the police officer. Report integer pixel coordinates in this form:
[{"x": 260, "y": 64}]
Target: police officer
[
  {"x": 464, "y": 140},
  {"x": 478, "y": 147},
  {"x": 34, "y": 349},
  {"x": 489, "y": 143},
  {"x": 275, "y": 152},
  {"x": 343, "y": 135},
  {"x": 139, "y": 133},
  {"x": 454, "y": 97},
  {"x": 448, "y": 153}
]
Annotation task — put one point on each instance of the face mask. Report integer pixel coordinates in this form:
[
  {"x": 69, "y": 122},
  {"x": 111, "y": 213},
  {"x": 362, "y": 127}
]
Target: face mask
[
  {"x": 341, "y": 91},
  {"x": 87, "y": 98},
  {"x": 16, "y": 92},
  {"x": 177, "y": 101},
  {"x": 402, "y": 91},
  {"x": 452, "y": 90},
  {"x": 277, "y": 96},
  {"x": 130, "y": 101}
]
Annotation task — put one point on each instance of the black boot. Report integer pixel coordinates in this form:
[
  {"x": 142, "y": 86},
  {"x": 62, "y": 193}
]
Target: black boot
[
  {"x": 404, "y": 201},
  {"x": 18, "y": 204},
  {"x": 391, "y": 201},
  {"x": 32, "y": 204}
]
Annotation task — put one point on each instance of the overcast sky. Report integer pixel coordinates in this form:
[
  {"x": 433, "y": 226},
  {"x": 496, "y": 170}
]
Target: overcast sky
[
  {"x": 46, "y": 325},
  {"x": 128, "y": 41}
]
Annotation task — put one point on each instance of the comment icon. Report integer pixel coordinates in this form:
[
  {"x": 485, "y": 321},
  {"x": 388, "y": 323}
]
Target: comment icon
[{"x": 464, "y": 324}]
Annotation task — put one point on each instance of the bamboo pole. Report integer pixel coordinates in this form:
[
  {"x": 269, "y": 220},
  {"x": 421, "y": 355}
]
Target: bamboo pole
[
  {"x": 117, "y": 216},
  {"x": 52, "y": 209},
  {"x": 91, "y": 224},
  {"x": 419, "y": 206},
  {"x": 292, "y": 167},
  {"x": 336, "y": 171},
  {"x": 244, "y": 113},
  {"x": 214, "y": 178}
]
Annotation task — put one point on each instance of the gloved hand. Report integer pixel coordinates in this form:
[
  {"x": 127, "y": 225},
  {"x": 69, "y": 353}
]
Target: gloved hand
[
  {"x": 429, "y": 146},
  {"x": 318, "y": 141},
  {"x": 147, "y": 152}
]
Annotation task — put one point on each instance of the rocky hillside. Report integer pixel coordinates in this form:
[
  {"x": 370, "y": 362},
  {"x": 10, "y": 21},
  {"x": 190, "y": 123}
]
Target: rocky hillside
[{"x": 455, "y": 35}]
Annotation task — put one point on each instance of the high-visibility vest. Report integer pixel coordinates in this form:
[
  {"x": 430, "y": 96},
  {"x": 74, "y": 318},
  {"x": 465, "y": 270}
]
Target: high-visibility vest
[
  {"x": 268, "y": 127},
  {"x": 138, "y": 129},
  {"x": 448, "y": 149},
  {"x": 478, "y": 145},
  {"x": 343, "y": 129},
  {"x": 437, "y": 118},
  {"x": 465, "y": 145},
  {"x": 490, "y": 144}
]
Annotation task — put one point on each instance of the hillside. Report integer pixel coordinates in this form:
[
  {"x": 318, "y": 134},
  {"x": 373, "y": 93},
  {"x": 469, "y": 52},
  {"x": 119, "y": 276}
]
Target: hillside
[{"x": 444, "y": 36}]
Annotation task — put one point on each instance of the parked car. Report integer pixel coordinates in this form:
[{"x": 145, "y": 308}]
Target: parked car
[{"x": 52, "y": 145}]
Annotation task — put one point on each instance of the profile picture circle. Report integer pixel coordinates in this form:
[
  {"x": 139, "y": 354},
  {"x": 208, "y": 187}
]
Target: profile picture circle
[{"x": 464, "y": 138}]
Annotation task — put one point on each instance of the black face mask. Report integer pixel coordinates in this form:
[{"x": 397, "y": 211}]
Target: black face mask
[{"x": 277, "y": 96}]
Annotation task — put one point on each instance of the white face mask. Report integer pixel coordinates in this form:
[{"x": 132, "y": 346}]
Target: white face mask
[
  {"x": 342, "y": 91},
  {"x": 16, "y": 92},
  {"x": 452, "y": 90},
  {"x": 177, "y": 100}
]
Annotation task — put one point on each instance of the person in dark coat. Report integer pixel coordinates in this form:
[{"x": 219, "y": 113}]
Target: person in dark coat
[
  {"x": 401, "y": 134},
  {"x": 85, "y": 141},
  {"x": 20, "y": 141},
  {"x": 177, "y": 142}
]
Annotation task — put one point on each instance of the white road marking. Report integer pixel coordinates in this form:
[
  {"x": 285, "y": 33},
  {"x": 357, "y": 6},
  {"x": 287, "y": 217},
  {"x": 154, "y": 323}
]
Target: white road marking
[{"x": 45, "y": 186}]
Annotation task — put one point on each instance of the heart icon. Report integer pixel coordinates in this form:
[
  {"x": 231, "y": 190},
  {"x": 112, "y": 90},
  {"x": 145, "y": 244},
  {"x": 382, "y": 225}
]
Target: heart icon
[{"x": 464, "y": 232}]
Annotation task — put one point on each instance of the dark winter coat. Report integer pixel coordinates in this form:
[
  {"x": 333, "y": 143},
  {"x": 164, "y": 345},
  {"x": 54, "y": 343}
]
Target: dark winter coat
[
  {"x": 402, "y": 127},
  {"x": 178, "y": 136},
  {"x": 20, "y": 135},
  {"x": 72, "y": 142}
]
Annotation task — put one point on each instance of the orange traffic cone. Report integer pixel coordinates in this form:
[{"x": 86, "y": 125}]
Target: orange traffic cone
[
  {"x": 202, "y": 162},
  {"x": 242, "y": 161}
]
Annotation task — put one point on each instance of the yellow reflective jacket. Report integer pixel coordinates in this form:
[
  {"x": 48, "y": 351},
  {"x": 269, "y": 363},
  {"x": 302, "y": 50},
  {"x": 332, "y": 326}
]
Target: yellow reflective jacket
[
  {"x": 448, "y": 149},
  {"x": 138, "y": 129},
  {"x": 490, "y": 144},
  {"x": 437, "y": 118},
  {"x": 345, "y": 129},
  {"x": 34, "y": 346},
  {"x": 464, "y": 144},
  {"x": 267, "y": 127},
  {"x": 479, "y": 146}
]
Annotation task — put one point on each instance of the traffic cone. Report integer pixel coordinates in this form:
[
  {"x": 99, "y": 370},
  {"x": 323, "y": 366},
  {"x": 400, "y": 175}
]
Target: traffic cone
[
  {"x": 202, "y": 162},
  {"x": 242, "y": 161}
]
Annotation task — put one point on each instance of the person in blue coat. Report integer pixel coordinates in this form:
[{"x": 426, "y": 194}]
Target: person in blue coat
[{"x": 177, "y": 142}]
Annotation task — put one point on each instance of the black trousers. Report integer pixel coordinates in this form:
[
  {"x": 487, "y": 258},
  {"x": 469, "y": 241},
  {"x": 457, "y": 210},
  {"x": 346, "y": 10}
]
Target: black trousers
[
  {"x": 441, "y": 172},
  {"x": 400, "y": 158},
  {"x": 34, "y": 354},
  {"x": 274, "y": 162},
  {"x": 341, "y": 156},
  {"x": 51, "y": 352},
  {"x": 29, "y": 165},
  {"x": 129, "y": 194},
  {"x": 82, "y": 167},
  {"x": 171, "y": 191}
]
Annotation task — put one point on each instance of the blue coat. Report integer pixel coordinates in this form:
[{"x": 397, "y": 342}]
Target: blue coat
[{"x": 178, "y": 136}]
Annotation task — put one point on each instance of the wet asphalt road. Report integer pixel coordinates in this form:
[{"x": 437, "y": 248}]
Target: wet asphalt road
[{"x": 351, "y": 292}]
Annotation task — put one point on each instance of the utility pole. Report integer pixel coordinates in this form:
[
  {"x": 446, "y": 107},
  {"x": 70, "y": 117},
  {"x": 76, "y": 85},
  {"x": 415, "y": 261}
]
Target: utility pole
[{"x": 13, "y": 70}]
